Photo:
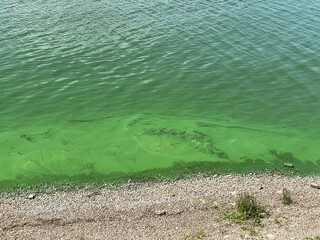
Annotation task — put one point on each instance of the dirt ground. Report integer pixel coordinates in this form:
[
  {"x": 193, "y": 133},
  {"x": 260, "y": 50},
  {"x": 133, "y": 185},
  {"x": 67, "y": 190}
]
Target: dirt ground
[{"x": 188, "y": 209}]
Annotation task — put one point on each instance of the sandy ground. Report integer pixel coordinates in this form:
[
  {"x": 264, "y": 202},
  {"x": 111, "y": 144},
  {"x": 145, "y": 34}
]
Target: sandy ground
[{"x": 184, "y": 209}]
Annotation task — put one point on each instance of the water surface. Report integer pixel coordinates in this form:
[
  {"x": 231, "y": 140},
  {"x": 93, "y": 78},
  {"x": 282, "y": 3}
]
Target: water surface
[{"x": 102, "y": 87}]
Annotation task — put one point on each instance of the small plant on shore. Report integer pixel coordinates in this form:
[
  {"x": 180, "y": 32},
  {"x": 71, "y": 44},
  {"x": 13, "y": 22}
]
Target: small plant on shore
[
  {"x": 84, "y": 238},
  {"x": 196, "y": 236},
  {"x": 247, "y": 208},
  {"x": 286, "y": 197},
  {"x": 250, "y": 230},
  {"x": 215, "y": 206},
  {"x": 312, "y": 238}
]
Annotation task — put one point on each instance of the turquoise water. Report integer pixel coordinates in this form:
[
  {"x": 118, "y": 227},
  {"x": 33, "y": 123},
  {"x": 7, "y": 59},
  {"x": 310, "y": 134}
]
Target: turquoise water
[{"x": 102, "y": 87}]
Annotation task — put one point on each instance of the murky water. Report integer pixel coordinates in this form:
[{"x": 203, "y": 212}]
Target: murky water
[{"x": 104, "y": 88}]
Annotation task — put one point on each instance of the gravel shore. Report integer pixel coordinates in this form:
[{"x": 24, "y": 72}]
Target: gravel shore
[{"x": 191, "y": 208}]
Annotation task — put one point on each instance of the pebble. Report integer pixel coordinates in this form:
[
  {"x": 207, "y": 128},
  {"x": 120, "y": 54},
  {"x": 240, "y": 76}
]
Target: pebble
[
  {"x": 314, "y": 185},
  {"x": 289, "y": 165},
  {"x": 246, "y": 237},
  {"x": 271, "y": 236},
  {"x": 31, "y": 196},
  {"x": 234, "y": 193},
  {"x": 160, "y": 212}
]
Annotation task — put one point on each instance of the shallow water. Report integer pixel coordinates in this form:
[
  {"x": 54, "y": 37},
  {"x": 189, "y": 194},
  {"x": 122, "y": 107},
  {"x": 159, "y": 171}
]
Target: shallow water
[{"x": 106, "y": 88}]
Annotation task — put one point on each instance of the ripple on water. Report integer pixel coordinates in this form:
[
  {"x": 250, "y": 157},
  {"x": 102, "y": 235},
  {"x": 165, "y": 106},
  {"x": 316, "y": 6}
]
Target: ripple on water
[{"x": 256, "y": 62}]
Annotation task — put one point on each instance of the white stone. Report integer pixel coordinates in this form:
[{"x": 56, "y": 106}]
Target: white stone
[
  {"x": 314, "y": 185},
  {"x": 31, "y": 196},
  {"x": 234, "y": 193},
  {"x": 271, "y": 236},
  {"x": 161, "y": 212}
]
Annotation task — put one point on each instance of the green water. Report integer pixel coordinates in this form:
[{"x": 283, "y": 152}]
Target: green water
[{"x": 103, "y": 89}]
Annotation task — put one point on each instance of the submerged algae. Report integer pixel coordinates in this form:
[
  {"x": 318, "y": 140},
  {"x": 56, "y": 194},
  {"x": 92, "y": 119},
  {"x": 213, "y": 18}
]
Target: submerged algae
[
  {"x": 199, "y": 140},
  {"x": 133, "y": 146}
]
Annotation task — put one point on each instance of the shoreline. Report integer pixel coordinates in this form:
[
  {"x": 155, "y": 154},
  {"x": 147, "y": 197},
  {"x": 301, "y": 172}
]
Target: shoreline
[{"x": 189, "y": 208}]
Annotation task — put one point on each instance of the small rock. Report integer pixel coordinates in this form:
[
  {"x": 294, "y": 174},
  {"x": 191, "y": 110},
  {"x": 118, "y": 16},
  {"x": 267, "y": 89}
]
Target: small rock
[
  {"x": 271, "y": 236},
  {"x": 289, "y": 165},
  {"x": 314, "y": 185},
  {"x": 246, "y": 237},
  {"x": 261, "y": 187},
  {"x": 234, "y": 193},
  {"x": 31, "y": 196},
  {"x": 161, "y": 212}
]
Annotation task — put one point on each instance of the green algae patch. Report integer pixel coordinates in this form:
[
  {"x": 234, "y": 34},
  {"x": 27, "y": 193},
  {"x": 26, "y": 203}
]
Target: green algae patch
[{"x": 149, "y": 146}]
